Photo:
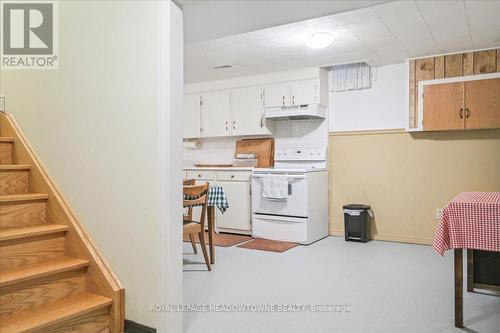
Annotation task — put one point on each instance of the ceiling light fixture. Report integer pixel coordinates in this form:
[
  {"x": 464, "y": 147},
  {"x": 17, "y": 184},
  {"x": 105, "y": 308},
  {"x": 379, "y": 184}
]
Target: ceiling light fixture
[{"x": 318, "y": 40}]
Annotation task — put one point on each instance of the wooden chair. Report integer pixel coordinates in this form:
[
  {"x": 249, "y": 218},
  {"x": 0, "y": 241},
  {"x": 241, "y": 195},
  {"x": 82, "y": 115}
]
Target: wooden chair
[
  {"x": 189, "y": 213},
  {"x": 200, "y": 193}
]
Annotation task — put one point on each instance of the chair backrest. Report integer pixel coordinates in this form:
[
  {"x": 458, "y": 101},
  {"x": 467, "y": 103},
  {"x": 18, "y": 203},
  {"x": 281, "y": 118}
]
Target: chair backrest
[
  {"x": 189, "y": 213},
  {"x": 197, "y": 195}
]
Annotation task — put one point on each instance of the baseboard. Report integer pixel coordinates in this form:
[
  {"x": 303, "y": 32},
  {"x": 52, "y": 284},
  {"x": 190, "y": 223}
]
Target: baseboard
[
  {"x": 389, "y": 238},
  {"x": 133, "y": 327}
]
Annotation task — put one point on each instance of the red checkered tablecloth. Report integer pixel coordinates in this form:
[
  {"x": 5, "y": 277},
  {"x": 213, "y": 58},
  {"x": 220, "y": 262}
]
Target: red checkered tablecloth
[{"x": 470, "y": 221}]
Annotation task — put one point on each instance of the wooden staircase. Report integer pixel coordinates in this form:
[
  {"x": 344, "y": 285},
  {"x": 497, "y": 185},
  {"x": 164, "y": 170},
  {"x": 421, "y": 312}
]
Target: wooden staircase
[{"x": 52, "y": 277}]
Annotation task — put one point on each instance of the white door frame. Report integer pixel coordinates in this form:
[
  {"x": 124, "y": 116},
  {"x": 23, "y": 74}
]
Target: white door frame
[{"x": 169, "y": 129}]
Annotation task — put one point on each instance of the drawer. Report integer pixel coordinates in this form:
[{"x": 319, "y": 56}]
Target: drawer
[
  {"x": 201, "y": 174},
  {"x": 234, "y": 175}
]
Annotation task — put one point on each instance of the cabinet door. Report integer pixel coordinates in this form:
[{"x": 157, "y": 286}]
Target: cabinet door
[
  {"x": 277, "y": 95},
  {"x": 304, "y": 92},
  {"x": 191, "y": 116},
  {"x": 482, "y": 103},
  {"x": 237, "y": 216},
  {"x": 246, "y": 111},
  {"x": 444, "y": 106},
  {"x": 215, "y": 114}
]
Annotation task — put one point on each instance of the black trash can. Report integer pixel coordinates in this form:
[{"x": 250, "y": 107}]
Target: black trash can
[{"x": 356, "y": 222}]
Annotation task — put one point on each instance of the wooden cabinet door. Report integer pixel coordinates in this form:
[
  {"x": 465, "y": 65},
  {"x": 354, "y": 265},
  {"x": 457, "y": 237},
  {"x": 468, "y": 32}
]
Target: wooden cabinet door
[
  {"x": 444, "y": 106},
  {"x": 304, "y": 92},
  {"x": 215, "y": 114},
  {"x": 237, "y": 216},
  {"x": 246, "y": 111},
  {"x": 482, "y": 104},
  {"x": 277, "y": 95},
  {"x": 191, "y": 116}
]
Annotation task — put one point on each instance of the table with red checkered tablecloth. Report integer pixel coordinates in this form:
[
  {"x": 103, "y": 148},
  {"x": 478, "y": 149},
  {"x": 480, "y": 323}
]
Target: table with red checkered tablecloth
[{"x": 470, "y": 221}]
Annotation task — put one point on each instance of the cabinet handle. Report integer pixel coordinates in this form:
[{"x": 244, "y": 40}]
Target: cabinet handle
[
  {"x": 467, "y": 113},
  {"x": 283, "y": 100},
  {"x": 293, "y": 100},
  {"x": 232, "y": 176},
  {"x": 461, "y": 113},
  {"x": 234, "y": 125}
]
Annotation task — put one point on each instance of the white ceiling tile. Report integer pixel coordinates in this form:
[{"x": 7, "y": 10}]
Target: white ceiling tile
[
  {"x": 372, "y": 32},
  {"x": 446, "y": 19},
  {"x": 392, "y": 53},
  {"x": 419, "y": 48},
  {"x": 450, "y": 45},
  {"x": 326, "y": 23},
  {"x": 484, "y": 22},
  {"x": 395, "y": 8},
  {"x": 407, "y": 26},
  {"x": 355, "y": 16},
  {"x": 381, "y": 35}
]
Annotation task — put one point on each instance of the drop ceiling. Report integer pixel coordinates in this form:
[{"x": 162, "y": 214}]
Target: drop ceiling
[{"x": 383, "y": 34}]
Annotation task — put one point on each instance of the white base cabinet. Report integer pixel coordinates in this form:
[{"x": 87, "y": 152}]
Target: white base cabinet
[{"x": 236, "y": 184}]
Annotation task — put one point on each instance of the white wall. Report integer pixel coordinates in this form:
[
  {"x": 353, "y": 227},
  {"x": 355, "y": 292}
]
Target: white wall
[
  {"x": 94, "y": 124},
  {"x": 381, "y": 107}
]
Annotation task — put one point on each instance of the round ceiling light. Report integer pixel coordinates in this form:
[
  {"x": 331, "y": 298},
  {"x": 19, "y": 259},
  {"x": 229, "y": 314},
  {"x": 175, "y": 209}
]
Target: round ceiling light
[{"x": 318, "y": 40}]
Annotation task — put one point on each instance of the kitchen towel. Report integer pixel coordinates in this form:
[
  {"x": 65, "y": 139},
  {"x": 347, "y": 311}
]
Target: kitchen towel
[{"x": 275, "y": 187}]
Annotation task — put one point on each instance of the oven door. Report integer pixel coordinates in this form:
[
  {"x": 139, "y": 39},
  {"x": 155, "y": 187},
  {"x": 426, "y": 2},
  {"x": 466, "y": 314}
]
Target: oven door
[{"x": 295, "y": 205}]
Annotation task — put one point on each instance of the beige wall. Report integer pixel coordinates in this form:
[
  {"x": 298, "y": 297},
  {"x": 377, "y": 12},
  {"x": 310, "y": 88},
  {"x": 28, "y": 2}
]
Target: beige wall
[
  {"x": 94, "y": 122},
  {"x": 406, "y": 177}
]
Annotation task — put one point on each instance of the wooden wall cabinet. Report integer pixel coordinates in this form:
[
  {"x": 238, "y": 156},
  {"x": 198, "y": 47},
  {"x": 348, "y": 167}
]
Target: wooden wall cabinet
[
  {"x": 443, "y": 67},
  {"x": 462, "y": 105}
]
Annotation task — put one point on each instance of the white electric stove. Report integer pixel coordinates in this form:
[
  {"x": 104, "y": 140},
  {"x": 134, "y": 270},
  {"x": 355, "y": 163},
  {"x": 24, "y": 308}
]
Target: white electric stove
[{"x": 303, "y": 216}]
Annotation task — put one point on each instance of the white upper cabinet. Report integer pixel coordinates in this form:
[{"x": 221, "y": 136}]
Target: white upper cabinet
[
  {"x": 191, "y": 116},
  {"x": 304, "y": 92},
  {"x": 215, "y": 114},
  {"x": 291, "y": 93},
  {"x": 247, "y": 111},
  {"x": 277, "y": 95},
  {"x": 236, "y": 107}
]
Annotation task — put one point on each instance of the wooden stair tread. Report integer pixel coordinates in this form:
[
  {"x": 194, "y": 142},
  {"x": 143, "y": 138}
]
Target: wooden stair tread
[
  {"x": 6, "y": 139},
  {"x": 23, "y": 197},
  {"x": 54, "y": 313},
  {"x": 15, "y": 167},
  {"x": 40, "y": 269},
  {"x": 30, "y": 231}
]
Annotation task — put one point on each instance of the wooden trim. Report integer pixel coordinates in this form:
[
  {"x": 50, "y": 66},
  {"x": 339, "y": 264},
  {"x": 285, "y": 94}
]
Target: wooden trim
[
  {"x": 368, "y": 132},
  {"x": 486, "y": 288},
  {"x": 388, "y": 237},
  {"x": 100, "y": 278},
  {"x": 459, "y": 52}
]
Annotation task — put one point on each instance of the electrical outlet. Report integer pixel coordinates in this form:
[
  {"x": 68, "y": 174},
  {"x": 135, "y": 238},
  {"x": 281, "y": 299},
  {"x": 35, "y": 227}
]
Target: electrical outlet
[{"x": 439, "y": 211}]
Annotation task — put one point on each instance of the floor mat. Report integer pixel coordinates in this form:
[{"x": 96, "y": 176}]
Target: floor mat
[
  {"x": 223, "y": 239},
  {"x": 268, "y": 245}
]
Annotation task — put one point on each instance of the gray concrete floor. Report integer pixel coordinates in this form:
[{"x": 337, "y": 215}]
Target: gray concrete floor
[{"x": 390, "y": 287}]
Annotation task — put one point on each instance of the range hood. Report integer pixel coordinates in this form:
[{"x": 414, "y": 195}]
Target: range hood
[{"x": 307, "y": 111}]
